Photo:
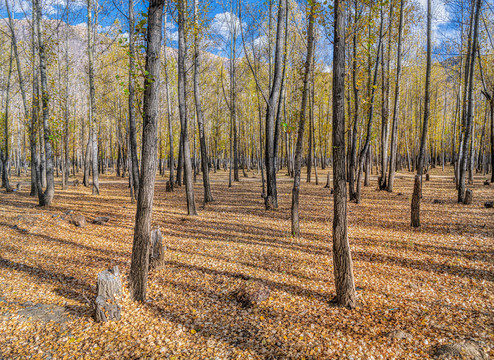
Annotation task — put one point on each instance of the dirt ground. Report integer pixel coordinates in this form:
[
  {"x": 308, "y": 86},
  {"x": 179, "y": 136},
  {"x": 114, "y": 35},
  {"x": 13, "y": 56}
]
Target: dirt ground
[{"x": 436, "y": 284}]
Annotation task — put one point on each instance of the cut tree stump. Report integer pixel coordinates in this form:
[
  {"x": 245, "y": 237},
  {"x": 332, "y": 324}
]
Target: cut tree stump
[
  {"x": 415, "y": 213},
  {"x": 109, "y": 290},
  {"x": 251, "y": 294},
  {"x": 465, "y": 350},
  {"x": 156, "y": 251},
  {"x": 169, "y": 186},
  {"x": 468, "y": 197},
  {"x": 77, "y": 220},
  {"x": 101, "y": 220}
]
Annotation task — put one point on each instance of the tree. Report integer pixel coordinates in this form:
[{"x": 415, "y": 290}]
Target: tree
[
  {"x": 396, "y": 105},
  {"x": 92, "y": 99},
  {"x": 208, "y": 196},
  {"x": 132, "y": 113},
  {"x": 46, "y": 197},
  {"x": 303, "y": 110},
  {"x": 182, "y": 101},
  {"x": 271, "y": 198},
  {"x": 469, "y": 114},
  {"x": 142, "y": 230},
  {"x": 417, "y": 189},
  {"x": 342, "y": 259}
]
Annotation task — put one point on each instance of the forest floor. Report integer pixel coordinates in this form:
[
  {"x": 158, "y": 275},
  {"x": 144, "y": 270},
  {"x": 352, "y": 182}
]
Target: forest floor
[{"x": 436, "y": 283}]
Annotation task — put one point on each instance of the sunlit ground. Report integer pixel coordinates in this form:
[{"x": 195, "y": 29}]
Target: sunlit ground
[{"x": 435, "y": 283}]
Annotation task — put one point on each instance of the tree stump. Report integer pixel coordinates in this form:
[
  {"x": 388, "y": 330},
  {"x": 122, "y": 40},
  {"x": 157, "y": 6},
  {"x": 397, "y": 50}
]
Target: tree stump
[
  {"x": 75, "y": 183},
  {"x": 101, "y": 220},
  {"x": 427, "y": 177},
  {"x": 468, "y": 197},
  {"x": 328, "y": 181},
  {"x": 109, "y": 289},
  {"x": 156, "y": 251},
  {"x": 77, "y": 220},
  {"x": 169, "y": 186},
  {"x": 415, "y": 213},
  {"x": 251, "y": 294},
  {"x": 461, "y": 350},
  {"x": 268, "y": 203}
]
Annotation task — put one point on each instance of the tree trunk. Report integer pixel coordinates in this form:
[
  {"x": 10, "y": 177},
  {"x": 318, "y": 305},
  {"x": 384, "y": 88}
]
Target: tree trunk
[
  {"x": 92, "y": 99},
  {"x": 132, "y": 117},
  {"x": 300, "y": 137},
  {"x": 469, "y": 114},
  {"x": 46, "y": 197},
  {"x": 142, "y": 231},
  {"x": 272, "y": 194},
  {"x": 342, "y": 259},
  {"x": 396, "y": 106},
  {"x": 182, "y": 101}
]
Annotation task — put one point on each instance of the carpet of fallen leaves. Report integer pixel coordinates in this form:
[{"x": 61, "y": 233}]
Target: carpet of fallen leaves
[{"x": 435, "y": 283}]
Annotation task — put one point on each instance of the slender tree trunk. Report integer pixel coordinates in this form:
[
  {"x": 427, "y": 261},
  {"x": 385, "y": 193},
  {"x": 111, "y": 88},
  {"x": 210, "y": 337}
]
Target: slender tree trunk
[
  {"x": 169, "y": 108},
  {"x": 300, "y": 137},
  {"x": 142, "y": 231},
  {"x": 92, "y": 98},
  {"x": 132, "y": 116},
  {"x": 417, "y": 189},
  {"x": 182, "y": 101},
  {"x": 342, "y": 259},
  {"x": 46, "y": 197},
  {"x": 396, "y": 105},
  {"x": 208, "y": 196},
  {"x": 6, "y": 158},
  {"x": 469, "y": 114},
  {"x": 365, "y": 147},
  {"x": 271, "y": 198}
]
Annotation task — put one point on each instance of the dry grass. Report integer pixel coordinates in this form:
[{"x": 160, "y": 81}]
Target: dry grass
[{"x": 436, "y": 283}]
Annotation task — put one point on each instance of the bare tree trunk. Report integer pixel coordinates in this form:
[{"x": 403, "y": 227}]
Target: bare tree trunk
[
  {"x": 271, "y": 198},
  {"x": 396, "y": 106},
  {"x": 92, "y": 98},
  {"x": 208, "y": 196},
  {"x": 35, "y": 175},
  {"x": 342, "y": 259},
  {"x": 469, "y": 114},
  {"x": 417, "y": 189},
  {"x": 46, "y": 197},
  {"x": 182, "y": 101},
  {"x": 5, "y": 157},
  {"x": 300, "y": 137},
  {"x": 65, "y": 175},
  {"x": 169, "y": 108},
  {"x": 365, "y": 147},
  {"x": 142, "y": 231},
  {"x": 132, "y": 116}
]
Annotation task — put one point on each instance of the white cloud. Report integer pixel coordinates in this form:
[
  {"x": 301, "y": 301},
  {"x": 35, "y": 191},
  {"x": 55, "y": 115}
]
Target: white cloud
[
  {"x": 439, "y": 11},
  {"x": 225, "y": 24}
]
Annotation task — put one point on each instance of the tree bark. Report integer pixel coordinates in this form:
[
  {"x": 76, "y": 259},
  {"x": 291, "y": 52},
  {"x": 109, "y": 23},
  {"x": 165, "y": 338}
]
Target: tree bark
[
  {"x": 46, "y": 197},
  {"x": 132, "y": 116},
  {"x": 182, "y": 101},
  {"x": 142, "y": 231},
  {"x": 271, "y": 197},
  {"x": 342, "y": 259},
  {"x": 208, "y": 196},
  {"x": 396, "y": 106},
  {"x": 300, "y": 137}
]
